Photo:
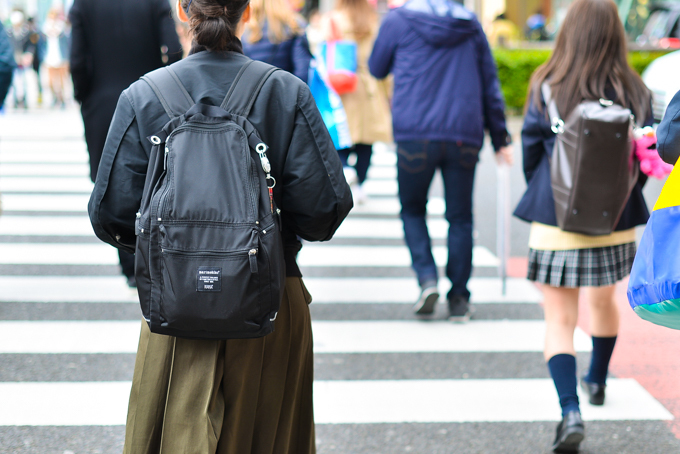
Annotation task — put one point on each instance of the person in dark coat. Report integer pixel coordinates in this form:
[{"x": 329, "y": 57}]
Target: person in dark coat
[
  {"x": 236, "y": 396},
  {"x": 446, "y": 93},
  {"x": 113, "y": 44},
  {"x": 588, "y": 63},
  {"x": 276, "y": 35},
  {"x": 7, "y": 65},
  {"x": 668, "y": 132}
]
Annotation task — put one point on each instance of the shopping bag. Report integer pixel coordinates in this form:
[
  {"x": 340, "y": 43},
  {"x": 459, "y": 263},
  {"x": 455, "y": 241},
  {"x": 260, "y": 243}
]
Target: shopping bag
[
  {"x": 654, "y": 285},
  {"x": 330, "y": 106},
  {"x": 340, "y": 59}
]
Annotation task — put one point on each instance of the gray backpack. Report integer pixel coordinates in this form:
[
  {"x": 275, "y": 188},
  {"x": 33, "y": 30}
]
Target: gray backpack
[
  {"x": 593, "y": 168},
  {"x": 209, "y": 256}
]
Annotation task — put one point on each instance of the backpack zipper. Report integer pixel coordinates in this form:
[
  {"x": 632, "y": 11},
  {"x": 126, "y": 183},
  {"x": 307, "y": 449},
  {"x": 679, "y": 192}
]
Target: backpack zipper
[{"x": 250, "y": 253}]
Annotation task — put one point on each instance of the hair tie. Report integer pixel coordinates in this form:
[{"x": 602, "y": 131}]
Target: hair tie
[{"x": 186, "y": 10}]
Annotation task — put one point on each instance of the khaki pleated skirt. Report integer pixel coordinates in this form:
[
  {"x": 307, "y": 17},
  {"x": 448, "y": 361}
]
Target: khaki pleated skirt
[{"x": 241, "y": 396}]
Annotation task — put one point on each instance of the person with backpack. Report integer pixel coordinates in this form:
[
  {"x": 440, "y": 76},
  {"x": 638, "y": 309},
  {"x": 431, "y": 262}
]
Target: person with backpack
[
  {"x": 585, "y": 95},
  {"x": 367, "y": 106},
  {"x": 446, "y": 93},
  {"x": 213, "y": 170},
  {"x": 276, "y": 35}
]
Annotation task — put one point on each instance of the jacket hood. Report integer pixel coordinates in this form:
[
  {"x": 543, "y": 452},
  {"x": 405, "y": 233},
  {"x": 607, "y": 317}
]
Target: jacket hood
[{"x": 441, "y": 23}]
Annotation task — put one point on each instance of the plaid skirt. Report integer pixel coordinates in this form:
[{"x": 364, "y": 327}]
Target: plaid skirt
[{"x": 596, "y": 267}]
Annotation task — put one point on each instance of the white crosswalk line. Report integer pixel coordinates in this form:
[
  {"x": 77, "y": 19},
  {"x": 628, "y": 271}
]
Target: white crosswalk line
[
  {"x": 29, "y": 184},
  {"x": 46, "y": 225},
  {"x": 322, "y": 255},
  {"x": 42, "y": 157},
  {"x": 98, "y": 289},
  {"x": 42, "y": 202},
  {"x": 346, "y": 402},
  {"x": 386, "y": 228},
  {"x": 57, "y": 254},
  {"x": 329, "y": 336},
  {"x": 55, "y": 170},
  {"x": 391, "y": 206}
]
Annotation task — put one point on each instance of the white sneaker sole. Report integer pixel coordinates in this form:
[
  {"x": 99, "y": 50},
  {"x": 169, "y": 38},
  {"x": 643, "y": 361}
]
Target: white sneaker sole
[{"x": 427, "y": 301}]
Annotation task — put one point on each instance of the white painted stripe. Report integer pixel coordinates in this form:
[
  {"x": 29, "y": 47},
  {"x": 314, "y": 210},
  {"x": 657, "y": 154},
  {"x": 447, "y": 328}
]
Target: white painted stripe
[
  {"x": 382, "y": 173},
  {"x": 380, "y": 187},
  {"x": 44, "y": 202},
  {"x": 347, "y": 402},
  {"x": 57, "y": 254},
  {"x": 323, "y": 255},
  {"x": 356, "y": 227},
  {"x": 64, "y": 404},
  {"x": 432, "y": 401},
  {"x": 390, "y": 205},
  {"x": 58, "y": 170},
  {"x": 96, "y": 289},
  {"x": 20, "y": 184},
  {"x": 89, "y": 337},
  {"x": 406, "y": 290},
  {"x": 66, "y": 289},
  {"x": 46, "y": 225},
  {"x": 26, "y": 156}
]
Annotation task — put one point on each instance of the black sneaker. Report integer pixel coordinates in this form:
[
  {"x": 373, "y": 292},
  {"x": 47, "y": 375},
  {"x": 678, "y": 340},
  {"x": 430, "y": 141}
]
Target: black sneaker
[
  {"x": 428, "y": 299},
  {"x": 570, "y": 433},
  {"x": 459, "y": 309}
]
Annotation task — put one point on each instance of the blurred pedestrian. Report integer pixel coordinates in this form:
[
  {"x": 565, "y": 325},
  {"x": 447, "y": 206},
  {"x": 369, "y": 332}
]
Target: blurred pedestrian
[
  {"x": 503, "y": 32},
  {"x": 114, "y": 44},
  {"x": 589, "y": 62},
  {"x": 56, "y": 55},
  {"x": 367, "y": 107},
  {"x": 19, "y": 36},
  {"x": 445, "y": 93},
  {"x": 7, "y": 65},
  {"x": 276, "y": 35},
  {"x": 237, "y": 396},
  {"x": 668, "y": 132},
  {"x": 36, "y": 47}
]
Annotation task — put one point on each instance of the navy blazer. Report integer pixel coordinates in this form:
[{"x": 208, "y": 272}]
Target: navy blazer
[
  {"x": 537, "y": 203},
  {"x": 291, "y": 55},
  {"x": 668, "y": 132}
]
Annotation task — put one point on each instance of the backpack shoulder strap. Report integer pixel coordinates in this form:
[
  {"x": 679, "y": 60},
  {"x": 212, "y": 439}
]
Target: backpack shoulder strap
[
  {"x": 246, "y": 87},
  {"x": 170, "y": 91},
  {"x": 556, "y": 122}
]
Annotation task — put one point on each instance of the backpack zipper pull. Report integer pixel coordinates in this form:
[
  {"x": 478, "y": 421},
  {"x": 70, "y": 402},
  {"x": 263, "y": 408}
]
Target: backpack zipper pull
[
  {"x": 261, "y": 150},
  {"x": 252, "y": 257},
  {"x": 165, "y": 158}
]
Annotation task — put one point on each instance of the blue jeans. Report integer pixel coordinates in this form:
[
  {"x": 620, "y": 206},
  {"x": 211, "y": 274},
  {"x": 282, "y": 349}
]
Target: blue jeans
[{"x": 416, "y": 164}]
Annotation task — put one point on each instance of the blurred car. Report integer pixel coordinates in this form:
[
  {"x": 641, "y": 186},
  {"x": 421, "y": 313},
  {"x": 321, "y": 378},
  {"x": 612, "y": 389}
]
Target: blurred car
[
  {"x": 661, "y": 77},
  {"x": 662, "y": 28}
]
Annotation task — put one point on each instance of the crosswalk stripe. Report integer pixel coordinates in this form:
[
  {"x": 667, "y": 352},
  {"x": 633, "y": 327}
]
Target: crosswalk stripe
[
  {"x": 43, "y": 202},
  {"x": 390, "y": 206},
  {"x": 42, "y": 157},
  {"x": 311, "y": 255},
  {"x": 88, "y": 337},
  {"x": 29, "y": 184},
  {"x": 34, "y": 170},
  {"x": 346, "y": 402},
  {"x": 318, "y": 255},
  {"x": 114, "y": 289}
]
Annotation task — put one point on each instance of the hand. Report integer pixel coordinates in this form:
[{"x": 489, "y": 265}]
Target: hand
[{"x": 505, "y": 155}]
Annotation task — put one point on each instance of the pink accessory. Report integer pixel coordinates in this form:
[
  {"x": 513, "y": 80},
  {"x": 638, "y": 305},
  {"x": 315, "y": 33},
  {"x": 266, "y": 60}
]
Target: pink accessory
[{"x": 645, "y": 150}]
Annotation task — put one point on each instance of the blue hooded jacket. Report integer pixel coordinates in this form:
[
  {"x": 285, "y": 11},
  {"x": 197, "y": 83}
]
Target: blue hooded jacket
[{"x": 445, "y": 82}]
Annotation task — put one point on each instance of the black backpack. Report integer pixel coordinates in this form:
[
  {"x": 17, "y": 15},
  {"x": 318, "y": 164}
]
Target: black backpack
[{"x": 209, "y": 256}]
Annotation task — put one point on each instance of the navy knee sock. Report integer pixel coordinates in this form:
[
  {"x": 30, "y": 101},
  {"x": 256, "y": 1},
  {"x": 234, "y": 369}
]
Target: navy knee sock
[
  {"x": 603, "y": 347},
  {"x": 563, "y": 371}
]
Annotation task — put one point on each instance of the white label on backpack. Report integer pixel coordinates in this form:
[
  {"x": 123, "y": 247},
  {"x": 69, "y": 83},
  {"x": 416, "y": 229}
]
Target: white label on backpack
[{"x": 209, "y": 279}]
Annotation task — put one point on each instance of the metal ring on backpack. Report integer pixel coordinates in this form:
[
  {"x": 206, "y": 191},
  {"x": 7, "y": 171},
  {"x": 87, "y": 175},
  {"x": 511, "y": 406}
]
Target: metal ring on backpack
[
  {"x": 269, "y": 177},
  {"x": 261, "y": 148},
  {"x": 557, "y": 126},
  {"x": 155, "y": 140}
]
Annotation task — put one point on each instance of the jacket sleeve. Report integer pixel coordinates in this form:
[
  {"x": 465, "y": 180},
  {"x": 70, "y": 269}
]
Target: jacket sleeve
[
  {"x": 533, "y": 137},
  {"x": 384, "y": 48},
  {"x": 316, "y": 197},
  {"x": 80, "y": 59},
  {"x": 167, "y": 32},
  {"x": 120, "y": 181},
  {"x": 668, "y": 132},
  {"x": 494, "y": 106},
  {"x": 301, "y": 57}
]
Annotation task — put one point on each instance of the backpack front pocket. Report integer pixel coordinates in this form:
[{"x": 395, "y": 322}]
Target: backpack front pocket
[{"x": 203, "y": 291}]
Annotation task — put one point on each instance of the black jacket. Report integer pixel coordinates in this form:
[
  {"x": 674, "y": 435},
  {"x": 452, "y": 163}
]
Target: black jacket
[
  {"x": 311, "y": 190},
  {"x": 668, "y": 132},
  {"x": 537, "y": 203},
  {"x": 113, "y": 44}
]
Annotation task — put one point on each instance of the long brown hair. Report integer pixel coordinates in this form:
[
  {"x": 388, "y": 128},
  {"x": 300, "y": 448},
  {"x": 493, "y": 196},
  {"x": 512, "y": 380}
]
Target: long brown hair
[
  {"x": 362, "y": 16},
  {"x": 282, "y": 21},
  {"x": 591, "y": 54}
]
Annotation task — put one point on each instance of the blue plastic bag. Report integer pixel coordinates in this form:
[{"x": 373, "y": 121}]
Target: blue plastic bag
[
  {"x": 330, "y": 106},
  {"x": 340, "y": 57}
]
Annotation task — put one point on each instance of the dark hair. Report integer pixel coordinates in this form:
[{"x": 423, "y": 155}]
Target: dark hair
[
  {"x": 591, "y": 55},
  {"x": 213, "y": 22}
]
